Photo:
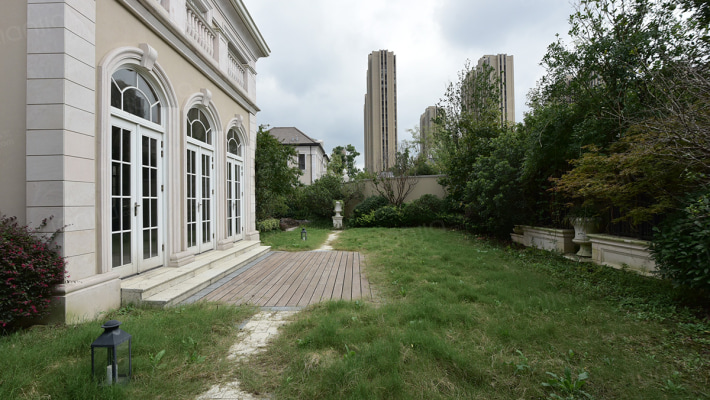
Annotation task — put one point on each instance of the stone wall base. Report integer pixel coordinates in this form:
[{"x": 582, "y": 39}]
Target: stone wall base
[{"x": 86, "y": 299}]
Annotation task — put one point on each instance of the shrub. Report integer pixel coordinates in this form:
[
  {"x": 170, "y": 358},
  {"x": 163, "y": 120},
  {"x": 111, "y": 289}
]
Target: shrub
[
  {"x": 267, "y": 225},
  {"x": 681, "y": 245},
  {"x": 318, "y": 199},
  {"x": 422, "y": 211},
  {"x": 388, "y": 217},
  {"x": 29, "y": 267},
  {"x": 370, "y": 204}
]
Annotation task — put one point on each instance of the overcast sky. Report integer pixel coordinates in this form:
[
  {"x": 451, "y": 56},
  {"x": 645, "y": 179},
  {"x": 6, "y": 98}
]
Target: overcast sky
[{"x": 314, "y": 78}]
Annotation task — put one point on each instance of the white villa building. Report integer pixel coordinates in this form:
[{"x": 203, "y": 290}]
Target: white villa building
[
  {"x": 311, "y": 158},
  {"x": 133, "y": 124}
]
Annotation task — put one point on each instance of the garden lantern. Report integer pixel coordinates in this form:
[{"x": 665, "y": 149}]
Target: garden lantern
[
  {"x": 115, "y": 366},
  {"x": 304, "y": 234}
]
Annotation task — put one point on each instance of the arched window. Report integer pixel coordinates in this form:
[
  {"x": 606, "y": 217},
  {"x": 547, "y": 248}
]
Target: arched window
[
  {"x": 198, "y": 126},
  {"x": 131, "y": 93},
  {"x": 234, "y": 146}
]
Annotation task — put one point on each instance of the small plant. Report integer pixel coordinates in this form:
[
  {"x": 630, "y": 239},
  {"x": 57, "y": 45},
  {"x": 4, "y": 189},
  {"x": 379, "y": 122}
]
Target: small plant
[
  {"x": 570, "y": 386},
  {"x": 30, "y": 267},
  {"x": 155, "y": 360},
  {"x": 521, "y": 365},
  {"x": 192, "y": 356},
  {"x": 348, "y": 353}
]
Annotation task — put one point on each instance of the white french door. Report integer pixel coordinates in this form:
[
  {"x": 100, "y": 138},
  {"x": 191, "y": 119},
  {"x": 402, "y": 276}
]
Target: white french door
[
  {"x": 200, "y": 195},
  {"x": 136, "y": 197},
  {"x": 235, "y": 193}
]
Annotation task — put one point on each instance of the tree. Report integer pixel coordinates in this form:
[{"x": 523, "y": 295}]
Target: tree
[
  {"x": 342, "y": 161},
  {"x": 396, "y": 183},
  {"x": 275, "y": 178},
  {"x": 635, "y": 83}
]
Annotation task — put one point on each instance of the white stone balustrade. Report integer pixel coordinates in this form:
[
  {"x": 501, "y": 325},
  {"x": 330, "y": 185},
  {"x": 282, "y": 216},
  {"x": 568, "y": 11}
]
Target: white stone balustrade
[
  {"x": 200, "y": 32},
  {"x": 237, "y": 71}
]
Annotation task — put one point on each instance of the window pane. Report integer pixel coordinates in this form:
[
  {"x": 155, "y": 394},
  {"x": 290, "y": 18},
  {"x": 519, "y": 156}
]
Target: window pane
[
  {"x": 115, "y": 215},
  {"x": 126, "y": 181},
  {"x": 126, "y": 145},
  {"x": 126, "y": 211},
  {"x": 115, "y": 143},
  {"x": 154, "y": 242},
  {"x": 125, "y": 78},
  {"x": 135, "y": 102},
  {"x": 126, "y": 248},
  {"x": 115, "y": 95},
  {"x": 116, "y": 250},
  {"x": 115, "y": 179}
]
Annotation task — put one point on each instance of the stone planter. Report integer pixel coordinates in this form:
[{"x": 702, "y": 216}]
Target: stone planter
[
  {"x": 582, "y": 227},
  {"x": 559, "y": 240},
  {"x": 618, "y": 252}
]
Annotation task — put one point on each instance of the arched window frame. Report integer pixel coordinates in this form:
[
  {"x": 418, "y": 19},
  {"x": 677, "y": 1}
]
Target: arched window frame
[{"x": 144, "y": 60}]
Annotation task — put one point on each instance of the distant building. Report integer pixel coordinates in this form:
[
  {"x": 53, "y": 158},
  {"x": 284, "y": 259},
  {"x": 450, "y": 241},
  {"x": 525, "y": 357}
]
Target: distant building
[
  {"x": 311, "y": 158},
  {"x": 426, "y": 130},
  {"x": 502, "y": 65},
  {"x": 381, "y": 111}
]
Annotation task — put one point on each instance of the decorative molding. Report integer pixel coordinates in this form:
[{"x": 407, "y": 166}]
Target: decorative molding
[
  {"x": 150, "y": 55},
  {"x": 206, "y": 96}
]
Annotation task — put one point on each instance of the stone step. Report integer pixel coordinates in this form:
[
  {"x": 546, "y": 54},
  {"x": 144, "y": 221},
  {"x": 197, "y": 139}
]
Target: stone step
[{"x": 167, "y": 286}]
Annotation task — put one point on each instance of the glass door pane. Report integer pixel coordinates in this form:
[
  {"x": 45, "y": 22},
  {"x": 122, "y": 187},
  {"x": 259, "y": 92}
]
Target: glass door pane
[
  {"x": 191, "y": 198},
  {"x": 121, "y": 197}
]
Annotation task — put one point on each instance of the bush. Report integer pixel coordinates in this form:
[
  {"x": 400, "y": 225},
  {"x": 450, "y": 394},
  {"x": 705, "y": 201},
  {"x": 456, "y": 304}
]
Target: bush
[
  {"x": 681, "y": 245},
  {"x": 388, "y": 217},
  {"x": 422, "y": 211},
  {"x": 267, "y": 225},
  {"x": 370, "y": 204},
  {"x": 317, "y": 201},
  {"x": 29, "y": 267}
]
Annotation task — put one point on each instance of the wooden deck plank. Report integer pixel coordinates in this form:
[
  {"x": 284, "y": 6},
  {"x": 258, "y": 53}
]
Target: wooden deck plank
[
  {"x": 285, "y": 289},
  {"x": 332, "y": 277},
  {"x": 287, "y": 279},
  {"x": 270, "y": 287},
  {"x": 231, "y": 288},
  {"x": 348, "y": 278},
  {"x": 317, "y": 286},
  {"x": 252, "y": 290},
  {"x": 340, "y": 278},
  {"x": 301, "y": 286}
]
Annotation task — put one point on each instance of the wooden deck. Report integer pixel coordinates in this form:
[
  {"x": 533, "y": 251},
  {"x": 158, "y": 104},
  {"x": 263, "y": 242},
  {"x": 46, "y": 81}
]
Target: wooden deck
[{"x": 286, "y": 279}]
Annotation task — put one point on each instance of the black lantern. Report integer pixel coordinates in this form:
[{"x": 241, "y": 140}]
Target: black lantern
[
  {"x": 117, "y": 365},
  {"x": 304, "y": 234}
]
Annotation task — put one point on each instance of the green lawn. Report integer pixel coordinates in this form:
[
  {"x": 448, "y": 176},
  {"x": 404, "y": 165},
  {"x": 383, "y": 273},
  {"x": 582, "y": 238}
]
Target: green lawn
[
  {"x": 54, "y": 362},
  {"x": 458, "y": 317},
  {"x": 291, "y": 240},
  {"x": 454, "y": 317}
]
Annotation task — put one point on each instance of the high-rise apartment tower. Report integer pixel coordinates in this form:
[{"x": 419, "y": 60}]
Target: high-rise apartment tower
[
  {"x": 381, "y": 111},
  {"x": 502, "y": 67},
  {"x": 426, "y": 130}
]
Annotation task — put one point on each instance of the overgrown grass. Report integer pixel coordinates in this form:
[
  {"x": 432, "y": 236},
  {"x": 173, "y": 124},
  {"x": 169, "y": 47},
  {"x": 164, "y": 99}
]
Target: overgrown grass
[
  {"x": 460, "y": 317},
  {"x": 291, "y": 240},
  {"x": 54, "y": 362}
]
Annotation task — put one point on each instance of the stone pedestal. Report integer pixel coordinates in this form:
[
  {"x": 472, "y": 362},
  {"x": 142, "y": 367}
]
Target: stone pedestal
[
  {"x": 583, "y": 226},
  {"x": 338, "y": 219}
]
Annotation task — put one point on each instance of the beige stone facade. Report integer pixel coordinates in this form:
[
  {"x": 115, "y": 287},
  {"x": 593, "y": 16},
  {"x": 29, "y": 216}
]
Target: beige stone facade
[
  {"x": 133, "y": 124},
  {"x": 380, "y": 111},
  {"x": 503, "y": 67}
]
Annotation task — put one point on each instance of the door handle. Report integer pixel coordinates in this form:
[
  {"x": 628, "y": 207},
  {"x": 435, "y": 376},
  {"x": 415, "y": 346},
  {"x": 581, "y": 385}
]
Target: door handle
[{"x": 135, "y": 209}]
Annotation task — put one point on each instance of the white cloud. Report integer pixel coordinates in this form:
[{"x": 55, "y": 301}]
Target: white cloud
[{"x": 315, "y": 76}]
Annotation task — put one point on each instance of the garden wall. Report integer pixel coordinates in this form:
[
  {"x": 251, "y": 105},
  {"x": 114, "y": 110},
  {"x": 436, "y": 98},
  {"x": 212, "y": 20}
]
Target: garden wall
[{"x": 428, "y": 184}]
